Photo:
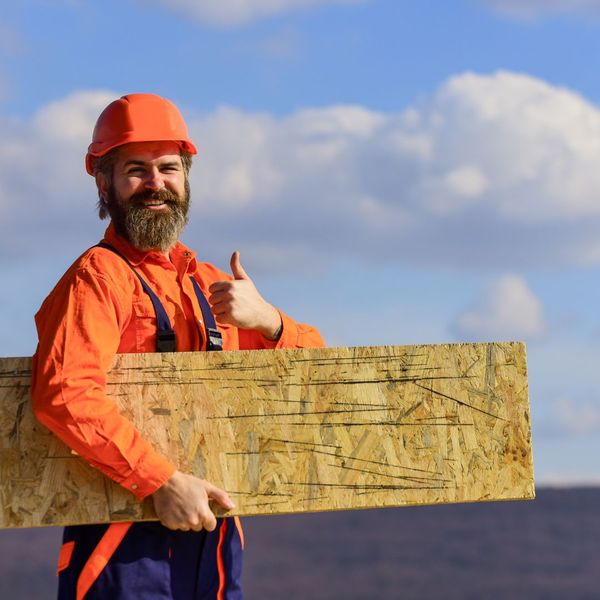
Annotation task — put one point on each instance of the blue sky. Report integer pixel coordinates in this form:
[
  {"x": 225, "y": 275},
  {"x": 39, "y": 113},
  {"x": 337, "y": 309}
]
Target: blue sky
[{"x": 393, "y": 172}]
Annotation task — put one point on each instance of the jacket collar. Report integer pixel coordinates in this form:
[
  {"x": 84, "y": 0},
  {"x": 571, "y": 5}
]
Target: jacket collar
[{"x": 135, "y": 256}]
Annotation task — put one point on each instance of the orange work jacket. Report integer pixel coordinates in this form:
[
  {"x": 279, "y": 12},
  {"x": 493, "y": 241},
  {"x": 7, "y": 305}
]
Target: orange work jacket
[{"x": 98, "y": 309}]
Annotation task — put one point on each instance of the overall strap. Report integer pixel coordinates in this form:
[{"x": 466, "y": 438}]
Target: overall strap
[
  {"x": 165, "y": 336},
  {"x": 214, "y": 339}
]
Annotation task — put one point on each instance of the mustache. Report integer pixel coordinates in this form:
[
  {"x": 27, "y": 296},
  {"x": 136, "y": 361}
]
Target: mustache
[{"x": 163, "y": 195}]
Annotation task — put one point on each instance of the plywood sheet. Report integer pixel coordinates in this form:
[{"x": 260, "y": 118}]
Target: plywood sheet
[{"x": 290, "y": 431}]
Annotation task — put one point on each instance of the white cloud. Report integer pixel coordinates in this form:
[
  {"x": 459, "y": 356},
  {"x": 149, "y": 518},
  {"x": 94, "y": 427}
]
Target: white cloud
[
  {"x": 506, "y": 310},
  {"x": 495, "y": 170},
  {"x": 45, "y": 193},
  {"x": 455, "y": 190},
  {"x": 532, "y": 9},
  {"x": 490, "y": 171},
  {"x": 227, "y": 13},
  {"x": 537, "y": 146}
]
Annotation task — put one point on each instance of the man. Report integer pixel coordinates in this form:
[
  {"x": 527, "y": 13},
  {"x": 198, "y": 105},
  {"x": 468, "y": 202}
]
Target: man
[{"x": 140, "y": 290}]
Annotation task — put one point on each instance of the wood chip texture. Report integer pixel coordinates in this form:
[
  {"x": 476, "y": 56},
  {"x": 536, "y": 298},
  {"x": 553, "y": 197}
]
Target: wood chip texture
[{"x": 290, "y": 431}]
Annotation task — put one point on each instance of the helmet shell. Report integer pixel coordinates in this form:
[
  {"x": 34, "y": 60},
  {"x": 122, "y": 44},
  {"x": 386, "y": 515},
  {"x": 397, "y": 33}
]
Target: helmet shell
[{"x": 137, "y": 118}]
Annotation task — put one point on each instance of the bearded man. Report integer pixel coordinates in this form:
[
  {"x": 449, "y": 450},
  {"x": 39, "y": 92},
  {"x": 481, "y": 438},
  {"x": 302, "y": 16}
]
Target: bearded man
[{"x": 141, "y": 290}]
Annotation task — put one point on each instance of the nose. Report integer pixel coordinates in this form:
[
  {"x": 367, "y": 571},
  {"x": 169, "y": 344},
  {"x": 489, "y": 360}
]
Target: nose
[{"x": 154, "y": 179}]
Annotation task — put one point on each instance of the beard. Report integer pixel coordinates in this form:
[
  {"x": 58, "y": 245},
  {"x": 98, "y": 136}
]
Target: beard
[{"x": 148, "y": 229}]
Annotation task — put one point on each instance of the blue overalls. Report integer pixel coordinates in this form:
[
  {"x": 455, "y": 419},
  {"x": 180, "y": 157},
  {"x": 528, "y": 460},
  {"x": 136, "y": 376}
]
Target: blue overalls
[{"x": 139, "y": 561}]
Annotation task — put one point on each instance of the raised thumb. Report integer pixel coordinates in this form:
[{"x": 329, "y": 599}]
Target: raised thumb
[{"x": 236, "y": 267}]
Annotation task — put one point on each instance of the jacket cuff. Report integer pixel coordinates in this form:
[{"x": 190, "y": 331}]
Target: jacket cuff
[
  {"x": 149, "y": 476},
  {"x": 288, "y": 337}
]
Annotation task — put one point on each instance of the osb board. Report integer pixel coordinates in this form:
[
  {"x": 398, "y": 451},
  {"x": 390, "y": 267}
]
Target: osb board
[{"x": 290, "y": 431}]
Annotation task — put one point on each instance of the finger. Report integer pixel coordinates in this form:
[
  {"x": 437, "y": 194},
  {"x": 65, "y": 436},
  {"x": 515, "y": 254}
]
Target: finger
[
  {"x": 209, "y": 520},
  {"x": 221, "y": 306},
  {"x": 169, "y": 525},
  {"x": 224, "y": 318},
  {"x": 220, "y": 496},
  {"x": 175, "y": 524},
  {"x": 236, "y": 267},
  {"x": 220, "y": 286},
  {"x": 222, "y": 311},
  {"x": 219, "y": 297},
  {"x": 196, "y": 525}
]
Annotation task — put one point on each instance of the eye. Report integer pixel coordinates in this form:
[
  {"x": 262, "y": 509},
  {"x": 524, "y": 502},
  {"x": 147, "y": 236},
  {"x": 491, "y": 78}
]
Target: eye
[{"x": 135, "y": 171}]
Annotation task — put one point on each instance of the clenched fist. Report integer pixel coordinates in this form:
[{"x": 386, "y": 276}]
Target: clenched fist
[{"x": 183, "y": 503}]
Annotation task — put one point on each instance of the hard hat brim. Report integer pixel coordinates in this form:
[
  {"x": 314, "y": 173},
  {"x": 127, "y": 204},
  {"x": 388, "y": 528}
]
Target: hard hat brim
[{"x": 130, "y": 138}]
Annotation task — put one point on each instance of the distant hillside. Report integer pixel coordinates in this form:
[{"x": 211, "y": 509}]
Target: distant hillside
[{"x": 548, "y": 548}]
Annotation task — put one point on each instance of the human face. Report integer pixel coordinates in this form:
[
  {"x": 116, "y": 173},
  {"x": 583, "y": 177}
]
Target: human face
[
  {"x": 148, "y": 197},
  {"x": 144, "y": 166}
]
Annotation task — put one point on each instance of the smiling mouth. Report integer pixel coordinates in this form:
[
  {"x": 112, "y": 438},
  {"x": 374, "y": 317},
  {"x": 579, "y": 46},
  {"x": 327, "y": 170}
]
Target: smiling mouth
[
  {"x": 161, "y": 200},
  {"x": 154, "y": 204}
]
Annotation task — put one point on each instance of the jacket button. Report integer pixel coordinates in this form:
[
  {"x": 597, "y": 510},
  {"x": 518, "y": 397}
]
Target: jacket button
[{"x": 134, "y": 486}]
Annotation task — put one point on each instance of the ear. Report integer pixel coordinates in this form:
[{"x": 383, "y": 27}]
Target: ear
[{"x": 102, "y": 186}]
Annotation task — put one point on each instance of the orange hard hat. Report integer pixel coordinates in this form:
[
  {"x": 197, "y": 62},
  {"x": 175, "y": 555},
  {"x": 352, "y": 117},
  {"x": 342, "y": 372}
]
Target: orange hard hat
[{"x": 137, "y": 118}]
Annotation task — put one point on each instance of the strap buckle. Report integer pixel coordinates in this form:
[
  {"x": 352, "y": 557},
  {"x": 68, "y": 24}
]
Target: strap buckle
[
  {"x": 215, "y": 340},
  {"x": 165, "y": 341}
]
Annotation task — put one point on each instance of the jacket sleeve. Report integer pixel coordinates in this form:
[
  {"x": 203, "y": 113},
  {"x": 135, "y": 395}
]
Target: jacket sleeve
[
  {"x": 293, "y": 335},
  {"x": 79, "y": 329}
]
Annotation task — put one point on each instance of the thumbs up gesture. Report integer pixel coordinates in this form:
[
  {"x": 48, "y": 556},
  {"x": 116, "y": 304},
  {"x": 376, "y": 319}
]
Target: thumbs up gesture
[{"x": 238, "y": 302}]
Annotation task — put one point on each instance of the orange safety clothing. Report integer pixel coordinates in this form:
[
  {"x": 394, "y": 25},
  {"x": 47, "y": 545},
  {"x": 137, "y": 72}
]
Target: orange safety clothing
[{"x": 98, "y": 309}]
